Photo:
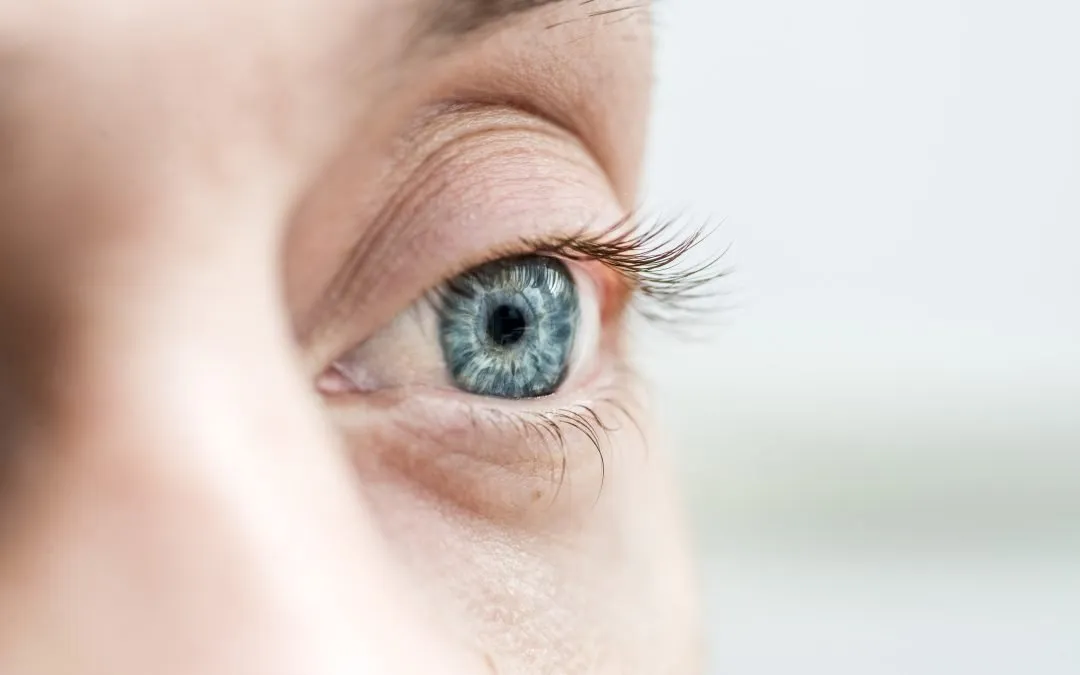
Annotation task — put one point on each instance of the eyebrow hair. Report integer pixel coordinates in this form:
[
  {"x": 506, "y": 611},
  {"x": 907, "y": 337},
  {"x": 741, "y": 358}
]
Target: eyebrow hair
[{"x": 458, "y": 17}]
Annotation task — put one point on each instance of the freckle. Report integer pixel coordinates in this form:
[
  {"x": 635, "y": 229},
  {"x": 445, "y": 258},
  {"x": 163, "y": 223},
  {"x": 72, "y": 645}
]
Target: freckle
[
  {"x": 537, "y": 495},
  {"x": 490, "y": 664}
]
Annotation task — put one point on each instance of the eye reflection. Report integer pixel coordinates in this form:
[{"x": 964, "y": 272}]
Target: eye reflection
[{"x": 507, "y": 328}]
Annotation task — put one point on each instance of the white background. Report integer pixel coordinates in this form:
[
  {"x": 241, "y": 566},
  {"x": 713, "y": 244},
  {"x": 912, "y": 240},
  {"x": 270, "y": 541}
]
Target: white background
[{"x": 881, "y": 441}]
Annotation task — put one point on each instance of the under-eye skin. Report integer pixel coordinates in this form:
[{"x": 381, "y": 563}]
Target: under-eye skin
[{"x": 507, "y": 328}]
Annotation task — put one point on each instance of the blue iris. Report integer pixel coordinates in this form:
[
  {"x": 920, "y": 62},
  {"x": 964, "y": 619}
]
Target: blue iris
[{"x": 507, "y": 328}]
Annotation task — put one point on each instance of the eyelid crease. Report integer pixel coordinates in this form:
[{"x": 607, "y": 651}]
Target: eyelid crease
[{"x": 482, "y": 119}]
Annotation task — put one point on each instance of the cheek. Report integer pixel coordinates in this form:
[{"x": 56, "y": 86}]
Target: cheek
[{"x": 591, "y": 575}]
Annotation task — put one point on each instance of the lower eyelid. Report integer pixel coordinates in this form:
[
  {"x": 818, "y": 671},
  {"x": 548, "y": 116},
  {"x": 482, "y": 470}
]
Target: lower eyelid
[
  {"x": 499, "y": 459},
  {"x": 606, "y": 377}
]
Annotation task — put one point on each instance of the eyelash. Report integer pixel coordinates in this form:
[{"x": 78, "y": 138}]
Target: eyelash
[
  {"x": 650, "y": 258},
  {"x": 650, "y": 255}
]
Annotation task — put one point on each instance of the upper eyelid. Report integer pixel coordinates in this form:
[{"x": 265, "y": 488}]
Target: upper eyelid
[
  {"x": 529, "y": 111},
  {"x": 519, "y": 249},
  {"x": 445, "y": 152},
  {"x": 341, "y": 294}
]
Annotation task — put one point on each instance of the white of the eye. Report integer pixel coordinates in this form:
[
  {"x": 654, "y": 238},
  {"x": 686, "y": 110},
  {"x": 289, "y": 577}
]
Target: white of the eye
[
  {"x": 404, "y": 352},
  {"x": 587, "y": 337},
  {"x": 407, "y": 350}
]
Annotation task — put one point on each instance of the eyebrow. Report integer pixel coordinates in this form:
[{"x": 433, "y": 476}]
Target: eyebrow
[{"x": 460, "y": 17}]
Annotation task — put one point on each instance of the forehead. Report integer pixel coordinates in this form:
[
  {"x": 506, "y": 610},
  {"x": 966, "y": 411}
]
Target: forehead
[
  {"x": 355, "y": 38},
  {"x": 192, "y": 120},
  {"x": 203, "y": 90},
  {"x": 426, "y": 17}
]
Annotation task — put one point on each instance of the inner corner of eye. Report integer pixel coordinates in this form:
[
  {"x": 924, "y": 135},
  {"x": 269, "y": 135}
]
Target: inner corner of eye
[
  {"x": 334, "y": 381},
  {"x": 360, "y": 371}
]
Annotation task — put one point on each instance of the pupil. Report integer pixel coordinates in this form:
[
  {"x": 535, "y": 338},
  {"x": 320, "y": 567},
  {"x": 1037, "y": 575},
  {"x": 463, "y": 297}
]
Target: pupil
[{"x": 506, "y": 326}]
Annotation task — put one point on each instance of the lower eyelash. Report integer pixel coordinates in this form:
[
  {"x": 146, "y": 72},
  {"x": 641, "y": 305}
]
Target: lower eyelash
[
  {"x": 550, "y": 446},
  {"x": 596, "y": 422}
]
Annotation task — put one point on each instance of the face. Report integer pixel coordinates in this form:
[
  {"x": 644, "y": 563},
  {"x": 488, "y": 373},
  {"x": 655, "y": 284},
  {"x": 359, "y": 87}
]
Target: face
[{"x": 312, "y": 352}]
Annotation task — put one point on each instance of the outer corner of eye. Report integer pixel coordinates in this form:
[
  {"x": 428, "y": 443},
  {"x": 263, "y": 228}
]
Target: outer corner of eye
[
  {"x": 603, "y": 292},
  {"x": 591, "y": 284}
]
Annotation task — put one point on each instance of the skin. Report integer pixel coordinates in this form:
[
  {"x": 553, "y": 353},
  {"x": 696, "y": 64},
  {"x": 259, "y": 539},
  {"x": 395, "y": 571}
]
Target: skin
[{"x": 204, "y": 208}]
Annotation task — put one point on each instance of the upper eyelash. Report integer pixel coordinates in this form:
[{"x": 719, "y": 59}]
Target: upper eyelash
[
  {"x": 651, "y": 257},
  {"x": 649, "y": 254}
]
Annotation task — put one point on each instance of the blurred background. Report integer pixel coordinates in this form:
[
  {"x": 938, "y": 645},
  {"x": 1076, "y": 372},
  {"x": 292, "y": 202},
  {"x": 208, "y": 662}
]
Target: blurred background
[{"x": 881, "y": 441}]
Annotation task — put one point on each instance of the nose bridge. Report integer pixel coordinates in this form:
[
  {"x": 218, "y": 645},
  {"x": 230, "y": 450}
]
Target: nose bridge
[
  {"x": 186, "y": 509},
  {"x": 190, "y": 398},
  {"x": 184, "y": 363},
  {"x": 189, "y": 506}
]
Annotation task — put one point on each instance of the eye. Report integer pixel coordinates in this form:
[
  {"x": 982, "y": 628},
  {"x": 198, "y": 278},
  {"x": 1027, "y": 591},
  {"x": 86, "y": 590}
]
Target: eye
[
  {"x": 519, "y": 363},
  {"x": 519, "y": 327},
  {"x": 528, "y": 325},
  {"x": 507, "y": 328}
]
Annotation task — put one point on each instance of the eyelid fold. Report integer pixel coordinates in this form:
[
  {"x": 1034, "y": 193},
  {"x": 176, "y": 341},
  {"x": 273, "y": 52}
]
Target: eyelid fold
[{"x": 467, "y": 185}]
